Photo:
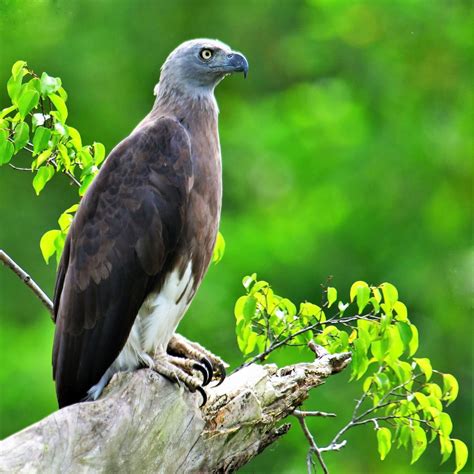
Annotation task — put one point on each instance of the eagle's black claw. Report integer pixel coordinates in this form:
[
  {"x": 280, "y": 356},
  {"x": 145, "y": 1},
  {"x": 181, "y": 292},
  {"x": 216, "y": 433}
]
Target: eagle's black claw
[
  {"x": 222, "y": 374},
  {"x": 204, "y": 369},
  {"x": 210, "y": 369},
  {"x": 203, "y": 395}
]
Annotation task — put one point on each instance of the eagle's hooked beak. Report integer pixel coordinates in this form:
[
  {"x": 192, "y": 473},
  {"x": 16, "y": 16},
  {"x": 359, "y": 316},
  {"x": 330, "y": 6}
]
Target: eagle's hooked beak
[{"x": 237, "y": 62}]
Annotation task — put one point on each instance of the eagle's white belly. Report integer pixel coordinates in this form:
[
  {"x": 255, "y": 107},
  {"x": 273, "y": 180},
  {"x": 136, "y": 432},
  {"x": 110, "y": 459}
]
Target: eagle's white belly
[
  {"x": 154, "y": 325},
  {"x": 161, "y": 312}
]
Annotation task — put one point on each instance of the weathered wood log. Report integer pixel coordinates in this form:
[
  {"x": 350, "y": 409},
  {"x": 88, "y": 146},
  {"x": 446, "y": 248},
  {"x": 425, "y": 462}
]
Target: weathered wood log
[{"x": 145, "y": 424}]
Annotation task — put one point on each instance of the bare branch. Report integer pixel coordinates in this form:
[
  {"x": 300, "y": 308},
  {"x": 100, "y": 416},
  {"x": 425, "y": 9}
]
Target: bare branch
[
  {"x": 313, "y": 413},
  {"x": 17, "y": 168},
  {"x": 27, "y": 280},
  {"x": 313, "y": 446}
]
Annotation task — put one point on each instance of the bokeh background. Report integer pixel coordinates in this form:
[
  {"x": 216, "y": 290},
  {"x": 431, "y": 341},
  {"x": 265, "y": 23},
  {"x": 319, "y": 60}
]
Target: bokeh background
[{"x": 347, "y": 152}]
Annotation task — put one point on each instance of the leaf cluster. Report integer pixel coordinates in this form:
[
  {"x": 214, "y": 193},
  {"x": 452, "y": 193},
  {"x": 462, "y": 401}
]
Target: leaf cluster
[
  {"x": 36, "y": 121},
  {"x": 401, "y": 392}
]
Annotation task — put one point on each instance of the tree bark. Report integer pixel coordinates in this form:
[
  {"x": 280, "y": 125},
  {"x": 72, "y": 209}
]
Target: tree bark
[{"x": 145, "y": 424}]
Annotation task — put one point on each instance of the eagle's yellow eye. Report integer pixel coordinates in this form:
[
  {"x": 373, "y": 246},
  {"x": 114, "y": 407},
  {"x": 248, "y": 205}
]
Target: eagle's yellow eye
[{"x": 206, "y": 54}]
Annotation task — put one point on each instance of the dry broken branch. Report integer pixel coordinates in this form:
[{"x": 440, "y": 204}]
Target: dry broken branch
[{"x": 144, "y": 423}]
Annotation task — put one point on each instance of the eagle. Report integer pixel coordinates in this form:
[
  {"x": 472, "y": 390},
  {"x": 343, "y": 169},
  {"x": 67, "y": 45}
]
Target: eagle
[{"x": 143, "y": 236}]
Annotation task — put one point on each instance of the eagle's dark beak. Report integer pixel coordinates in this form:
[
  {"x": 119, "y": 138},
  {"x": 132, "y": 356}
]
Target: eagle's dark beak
[{"x": 237, "y": 62}]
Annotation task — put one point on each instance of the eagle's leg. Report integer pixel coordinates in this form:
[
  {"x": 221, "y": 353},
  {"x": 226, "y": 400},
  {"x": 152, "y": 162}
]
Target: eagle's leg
[
  {"x": 177, "y": 369},
  {"x": 182, "y": 347}
]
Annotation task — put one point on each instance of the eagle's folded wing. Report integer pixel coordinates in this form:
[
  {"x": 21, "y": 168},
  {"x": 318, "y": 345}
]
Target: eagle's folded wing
[{"x": 120, "y": 245}]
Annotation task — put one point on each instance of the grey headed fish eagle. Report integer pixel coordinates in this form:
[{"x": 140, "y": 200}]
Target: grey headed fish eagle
[{"x": 142, "y": 238}]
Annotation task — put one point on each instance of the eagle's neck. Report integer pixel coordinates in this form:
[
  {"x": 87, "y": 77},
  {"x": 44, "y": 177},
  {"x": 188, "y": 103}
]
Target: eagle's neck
[{"x": 181, "y": 102}]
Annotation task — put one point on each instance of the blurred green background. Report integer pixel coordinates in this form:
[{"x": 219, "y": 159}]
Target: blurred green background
[{"x": 347, "y": 152}]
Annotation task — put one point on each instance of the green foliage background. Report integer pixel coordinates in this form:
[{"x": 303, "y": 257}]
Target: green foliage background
[{"x": 347, "y": 152}]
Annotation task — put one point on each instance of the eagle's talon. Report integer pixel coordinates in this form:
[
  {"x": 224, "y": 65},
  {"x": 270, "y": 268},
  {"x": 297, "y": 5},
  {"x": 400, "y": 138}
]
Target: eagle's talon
[
  {"x": 180, "y": 346},
  {"x": 203, "y": 395},
  {"x": 222, "y": 374},
  {"x": 204, "y": 369},
  {"x": 210, "y": 370}
]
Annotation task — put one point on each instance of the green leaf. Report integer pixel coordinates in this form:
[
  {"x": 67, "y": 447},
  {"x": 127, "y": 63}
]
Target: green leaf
[
  {"x": 445, "y": 425},
  {"x": 43, "y": 175},
  {"x": 27, "y": 101},
  {"x": 60, "y": 105},
  {"x": 401, "y": 369},
  {"x": 7, "y": 110},
  {"x": 62, "y": 93},
  {"x": 405, "y": 333},
  {"x": 354, "y": 287},
  {"x": 75, "y": 137},
  {"x": 419, "y": 442},
  {"x": 41, "y": 139},
  {"x": 219, "y": 247},
  {"x": 249, "y": 280},
  {"x": 64, "y": 221},
  {"x": 367, "y": 384},
  {"x": 363, "y": 296},
  {"x": 379, "y": 348},
  {"x": 85, "y": 184},
  {"x": 434, "y": 390},
  {"x": 63, "y": 153},
  {"x": 239, "y": 308},
  {"x": 59, "y": 245},
  {"x": 376, "y": 293},
  {"x": 425, "y": 365},
  {"x": 384, "y": 441},
  {"x": 259, "y": 286},
  {"x": 450, "y": 388},
  {"x": 446, "y": 448},
  {"x": 413, "y": 345},
  {"x": 331, "y": 295},
  {"x": 6, "y": 151},
  {"x": 422, "y": 400},
  {"x": 22, "y": 135},
  {"x": 72, "y": 209},
  {"x": 395, "y": 343},
  {"x": 250, "y": 307},
  {"x": 47, "y": 244},
  {"x": 404, "y": 436},
  {"x": 48, "y": 84},
  {"x": 17, "y": 69},
  {"x": 14, "y": 86},
  {"x": 360, "y": 361},
  {"x": 43, "y": 156},
  {"x": 390, "y": 294},
  {"x": 461, "y": 454},
  {"x": 99, "y": 155},
  {"x": 382, "y": 382},
  {"x": 401, "y": 310}
]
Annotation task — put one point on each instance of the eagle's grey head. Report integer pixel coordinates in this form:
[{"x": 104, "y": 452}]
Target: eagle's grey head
[{"x": 197, "y": 66}]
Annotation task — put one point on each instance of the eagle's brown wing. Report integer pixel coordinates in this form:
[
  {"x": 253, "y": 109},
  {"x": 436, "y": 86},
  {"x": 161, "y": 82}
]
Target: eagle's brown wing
[{"x": 120, "y": 245}]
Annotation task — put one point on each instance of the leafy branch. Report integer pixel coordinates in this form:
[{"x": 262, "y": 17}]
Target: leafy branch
[{"x": 399, "y": 396}]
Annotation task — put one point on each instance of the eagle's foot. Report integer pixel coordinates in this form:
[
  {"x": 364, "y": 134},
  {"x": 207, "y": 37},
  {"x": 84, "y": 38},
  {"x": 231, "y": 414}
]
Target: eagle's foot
[
  {"x": 180, "y": 370},
  {"x": 183, "y": 348}
]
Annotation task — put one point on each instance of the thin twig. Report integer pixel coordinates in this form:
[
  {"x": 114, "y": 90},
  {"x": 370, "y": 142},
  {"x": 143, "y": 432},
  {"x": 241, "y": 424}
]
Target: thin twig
[
  {"x": 27, "y": 280},
  {"x": 313, "y": 413},
  {"x": 20, "y": 169},
  {"x": 313, "y": 446}
]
